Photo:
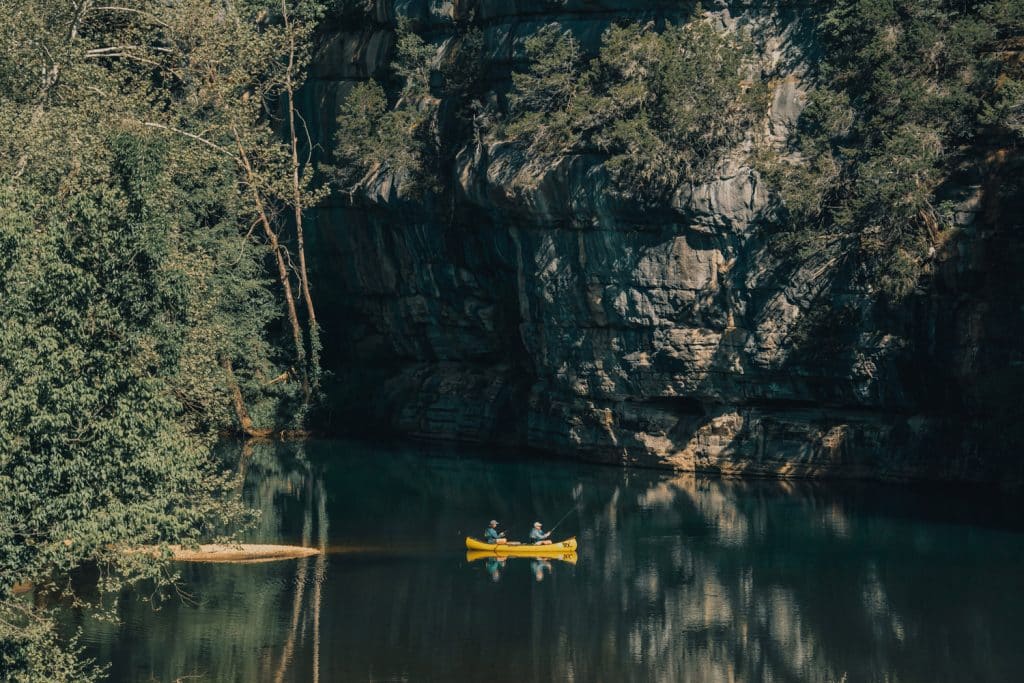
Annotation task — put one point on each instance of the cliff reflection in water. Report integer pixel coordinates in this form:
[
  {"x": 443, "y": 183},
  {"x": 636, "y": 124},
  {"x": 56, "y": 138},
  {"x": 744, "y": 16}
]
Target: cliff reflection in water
[{"x": 676, "y": 579}]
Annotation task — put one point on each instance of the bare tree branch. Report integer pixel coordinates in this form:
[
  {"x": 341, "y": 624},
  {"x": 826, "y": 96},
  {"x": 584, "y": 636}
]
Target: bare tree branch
[
  {"x": 148, "y": 15},
  {"x": 97, "y": 51},
  {"x": 193, "y": 136},
  {"x": 52, "y": 76}
]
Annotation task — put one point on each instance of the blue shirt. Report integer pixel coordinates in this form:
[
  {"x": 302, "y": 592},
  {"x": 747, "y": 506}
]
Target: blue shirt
[
  {"x": 537, "y": 535},
  {"x": 491, "y": 535}
]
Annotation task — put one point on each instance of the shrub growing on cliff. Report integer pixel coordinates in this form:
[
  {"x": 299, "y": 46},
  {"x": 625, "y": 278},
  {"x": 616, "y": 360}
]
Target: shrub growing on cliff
[
  {"x": 374, "y": 137},
  {"x": 543, "y": 107},
  {"x": 665, "y": 106},
  {"x": 676, "y": 102},
  {"x": 404, "y": 138},
  {"x": 907, "y": 87},
  {"x": 370, "y": 135}
]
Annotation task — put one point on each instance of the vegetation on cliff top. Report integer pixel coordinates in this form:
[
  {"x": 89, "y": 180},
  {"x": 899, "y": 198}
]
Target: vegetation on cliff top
[
  {"x": 905, "y": 91},
  {"x": 148, "y": 286},
  {"x": 403, "y": 138},
  {"x": 664, "y": 106},
  {"x": 372, "y": 134},
  {"x": 908, "y": 90}
]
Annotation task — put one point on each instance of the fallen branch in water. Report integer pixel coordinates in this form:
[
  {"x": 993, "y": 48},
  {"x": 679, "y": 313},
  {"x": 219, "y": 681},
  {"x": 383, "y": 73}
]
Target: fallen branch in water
[{"x": 246, "y": 552}]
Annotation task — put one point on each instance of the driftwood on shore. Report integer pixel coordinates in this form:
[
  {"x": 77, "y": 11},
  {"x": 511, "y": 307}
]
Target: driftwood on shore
[{"x": 245, "y": 552}]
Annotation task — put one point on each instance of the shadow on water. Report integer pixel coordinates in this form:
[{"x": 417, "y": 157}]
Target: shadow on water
[{"x": 677, "y": 578}]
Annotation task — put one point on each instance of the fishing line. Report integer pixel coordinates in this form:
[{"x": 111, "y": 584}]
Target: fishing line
[{"x": 575, "y": 506}]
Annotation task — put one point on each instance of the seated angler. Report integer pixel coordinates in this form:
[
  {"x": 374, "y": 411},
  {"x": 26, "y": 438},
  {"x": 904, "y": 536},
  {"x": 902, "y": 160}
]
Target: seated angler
[
  {"x": 491, "y": 534},
  {"x": 537, "y": 536}
]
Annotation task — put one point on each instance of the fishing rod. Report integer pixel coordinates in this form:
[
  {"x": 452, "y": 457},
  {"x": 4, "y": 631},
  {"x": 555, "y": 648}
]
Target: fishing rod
[{"x": 574, "y": 507}]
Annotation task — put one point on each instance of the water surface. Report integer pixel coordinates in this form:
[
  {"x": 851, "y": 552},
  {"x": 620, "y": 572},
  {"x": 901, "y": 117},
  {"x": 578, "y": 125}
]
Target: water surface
[{"x": 678, "y": 578}]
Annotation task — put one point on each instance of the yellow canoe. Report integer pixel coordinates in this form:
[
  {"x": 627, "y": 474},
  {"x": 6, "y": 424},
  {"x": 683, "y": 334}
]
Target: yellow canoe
[
  {"x": 567, "y": 556},
  {"x": 524, "y": 549}
]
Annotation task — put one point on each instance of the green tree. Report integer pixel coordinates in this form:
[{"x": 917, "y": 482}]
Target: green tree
[
  {"x": 543, "y": 102},
  {"x": 375, "y": 138},
  {"x": 666, "y": 107},
  {"x": 146, "y": 190},
  {"x": 907, "y": 87},
  {"x": 678, "y": 102}
]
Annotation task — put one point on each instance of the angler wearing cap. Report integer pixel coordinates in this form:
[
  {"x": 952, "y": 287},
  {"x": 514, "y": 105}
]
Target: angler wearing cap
[
  {"x": 537, "y": 535},
  {"x": 491, "y": 535}
]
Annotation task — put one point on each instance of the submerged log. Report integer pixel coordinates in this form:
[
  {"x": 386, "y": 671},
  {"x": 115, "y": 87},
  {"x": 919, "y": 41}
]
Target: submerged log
[{"x": 246, "y": 552}]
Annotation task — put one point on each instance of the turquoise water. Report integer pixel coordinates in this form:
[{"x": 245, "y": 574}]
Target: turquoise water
[{"x": 678, "y": 578}]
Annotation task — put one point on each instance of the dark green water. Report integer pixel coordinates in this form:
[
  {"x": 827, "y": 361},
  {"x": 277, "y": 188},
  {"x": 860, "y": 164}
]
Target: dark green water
[{"x": 677, "y": 579}]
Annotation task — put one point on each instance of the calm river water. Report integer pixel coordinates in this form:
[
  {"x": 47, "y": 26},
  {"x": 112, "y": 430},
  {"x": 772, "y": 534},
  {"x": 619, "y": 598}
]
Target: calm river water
[{"x": 678, "y": 578}]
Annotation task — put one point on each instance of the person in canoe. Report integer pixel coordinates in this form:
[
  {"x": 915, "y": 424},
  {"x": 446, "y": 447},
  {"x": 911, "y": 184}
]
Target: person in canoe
[
  {"x": 537, "y": 535},
  {"x": 492, "y": 535}
]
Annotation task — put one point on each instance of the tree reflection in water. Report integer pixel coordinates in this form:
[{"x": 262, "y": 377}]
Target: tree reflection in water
[{"x": 677, "y": 579}]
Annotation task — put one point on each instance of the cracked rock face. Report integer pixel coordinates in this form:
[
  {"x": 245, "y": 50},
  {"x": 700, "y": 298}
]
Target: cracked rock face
[{"x": 557, "y": 315}]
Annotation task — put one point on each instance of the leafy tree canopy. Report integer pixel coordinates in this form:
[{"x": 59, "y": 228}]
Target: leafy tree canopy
[
  {"x": 907, "y": 88},
  {"x": 373, "y": 137},
  {"x": 665, "y": 106},
  {"x": 139, "y": 153}
]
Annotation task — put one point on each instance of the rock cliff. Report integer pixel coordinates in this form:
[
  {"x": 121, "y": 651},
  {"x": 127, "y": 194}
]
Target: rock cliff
[{"x": 567, "y": 319}]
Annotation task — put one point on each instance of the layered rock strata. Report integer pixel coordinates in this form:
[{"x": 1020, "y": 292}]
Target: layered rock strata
[{"x": 565, "y": 318}]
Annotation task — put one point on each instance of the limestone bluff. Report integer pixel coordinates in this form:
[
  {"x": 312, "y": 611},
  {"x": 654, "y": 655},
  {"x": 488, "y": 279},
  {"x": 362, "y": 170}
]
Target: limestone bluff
[{"x": 570, "y": 319}]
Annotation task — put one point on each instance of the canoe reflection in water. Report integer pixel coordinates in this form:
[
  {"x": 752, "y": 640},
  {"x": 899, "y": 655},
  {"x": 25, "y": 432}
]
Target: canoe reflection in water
[
  {"x": 681, "y": 578},
  {"x": 494, "y": 567},
  {"x": 539, "y": 561}
]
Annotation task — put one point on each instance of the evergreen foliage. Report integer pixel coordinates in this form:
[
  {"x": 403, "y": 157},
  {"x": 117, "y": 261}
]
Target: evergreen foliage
[
  {"x": 374, "y": 137},
  {"x": 542, "y": 104},
  {"x": 676, "y": 102},
  {"x": 908, "y": 87},
  {"x": 665, "y": 106}
]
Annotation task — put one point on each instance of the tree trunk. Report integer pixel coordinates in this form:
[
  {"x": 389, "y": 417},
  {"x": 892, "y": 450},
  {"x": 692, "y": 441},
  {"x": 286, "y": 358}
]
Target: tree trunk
[
  {"x": 244, "y": 420},
  {"x": 282, "y": 268},
  {"x": 296, "y": 184}
]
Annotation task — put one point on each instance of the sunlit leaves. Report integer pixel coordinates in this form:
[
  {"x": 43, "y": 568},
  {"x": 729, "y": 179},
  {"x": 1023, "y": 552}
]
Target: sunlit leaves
[
  {"x": 375, "y": 137},
  {"x": 128, "y": 271},
  {"x": 665, "y": 106},
  {"x": 907, "y": 88}
]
